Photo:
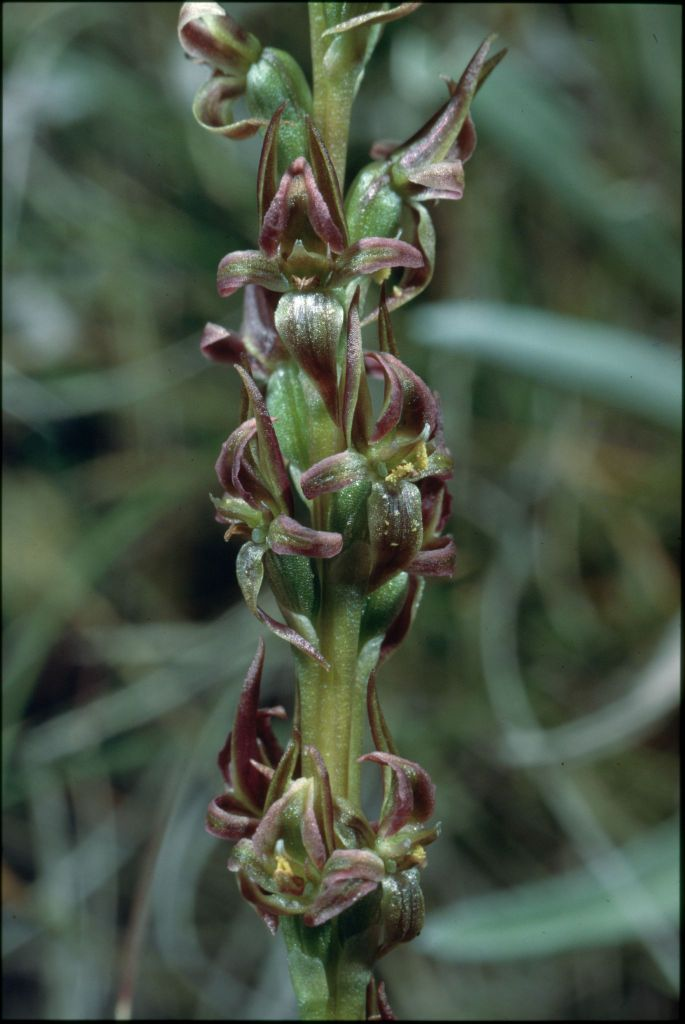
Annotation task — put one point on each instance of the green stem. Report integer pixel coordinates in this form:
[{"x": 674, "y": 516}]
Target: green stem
[
  {"x": 331, "y": 705},
  {"x": 334, "y": 86}
]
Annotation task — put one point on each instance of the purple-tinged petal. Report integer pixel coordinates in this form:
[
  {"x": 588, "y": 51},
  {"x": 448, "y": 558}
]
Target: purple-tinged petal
[
  {"x": 347, "y": 877},
  {"x": 273, "y": 823},
  {"x": 227, "y": 819},
  {"x": 384, "y": 148},
  {"x": 298, "y": 186},
  {"x": 401, "y": 625},
  {"x": 210, "y": 36},
  {"x": 436, "y": 504},
  {"x": 442, "y": 180},
  {"x": 380, "y": 732},
  {"x": 292, "y": 637},
  {"x": 288, "y": 537},
  {"x": 409, "y": 404},
  {"x": 284, "y": 773},
  {"x": 333, "y": 473},
  {"x": 369, "y": 255},
  {"x": 213, "y": 108},
  {"x": 386, "y": 336},
  {"x": 270, "y": 457},
  {"x": 328, "y": 186},
  {"x": 251, "y": 893},
  {"x": 433, "y": 141},
  {"x": 220, "y": 345},
  {"x": 324, "y": 796},
  {"x": 435, "y": 560},
  {"x": 229, "y": 463},
  {"x": 412, "y": 795},
  {"x": 249, "y": 267},
  {"x": 415, "y": 279},
  {"x": 248, "y": 785},
  {"x": 310, "y": 832},
  {"x": 267, "y": 173},
  {"x": 354, "y": 361}
]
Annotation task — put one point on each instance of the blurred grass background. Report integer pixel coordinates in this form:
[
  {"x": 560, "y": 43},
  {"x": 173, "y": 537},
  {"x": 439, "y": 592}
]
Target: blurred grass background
[{"x": 539, "y": 688}]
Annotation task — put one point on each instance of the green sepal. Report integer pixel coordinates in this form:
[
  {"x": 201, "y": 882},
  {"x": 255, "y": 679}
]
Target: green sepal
[
  {"x": 274, "y": 79},
  {"x": 293, "y": 582},
  {"x": 382, "y": 607},
  {"x": 373, "y": 207}
]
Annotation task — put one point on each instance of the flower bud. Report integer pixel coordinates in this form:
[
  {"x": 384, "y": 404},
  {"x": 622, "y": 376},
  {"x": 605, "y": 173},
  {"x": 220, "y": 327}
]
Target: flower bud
[
  {"x": 210, "y": 36},
  {"x": 275, "y": 79}
]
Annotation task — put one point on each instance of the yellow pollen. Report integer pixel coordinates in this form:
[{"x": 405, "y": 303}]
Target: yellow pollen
[
  {"x": 283, "y": 866},
  {"x": 418, "y": 856},
  {"x": 416, "y": 464}
]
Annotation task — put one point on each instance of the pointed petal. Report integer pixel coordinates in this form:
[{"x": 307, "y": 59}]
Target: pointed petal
[
  {"x": 333, "y": 473},
  {"x": 288, "y": 537},
  {"x": 310, "y": 832},
  {"x": 250, "y": 892},
  {"x": 270, "y": 457},
  {"x": 386, "y": 337},
  {"x": 249, "y": 267},
  {"x": 369, "y": 255},
  {"x": 328, "y": 184},
  {"x": 248, "y": 784},
  {"x": 324, "y": 803},
  {"x": 354, "y": 361},
  {"x": 292, "y": 637},
  {"x": 380, "y": 732},
  {"x": 401, "y": 625},
  {"x": 267, "y": 173}
]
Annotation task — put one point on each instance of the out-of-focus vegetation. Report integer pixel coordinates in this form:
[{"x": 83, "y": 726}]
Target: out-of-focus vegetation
[{"x": 539, "y": 688}]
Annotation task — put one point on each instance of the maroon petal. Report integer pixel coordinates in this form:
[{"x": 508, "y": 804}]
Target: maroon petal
[
  {"x": 369, "y": 255},
  {"x": 267, "y": 173},
  {"x": 409, "y": 404},
  {"x": 220, "y": 345},
  {"x": 380, "y": 732},
  {"x": 292, "y": 637},
  {"x": 227, "y": 819},
  {"x": 333, "y": 473},
  {"x": 288, "y": 537},
  {"x": 328, "y": 188},
  {"x": 213, "y": 108},
  {"x": 347, "y": 877},
  {"x": 324, "y": 795},
  {"x": 248, "y": 784},
  {"x": 414, "y": 279},
  {"x": 354, "y": 361},
  {"x": 310, "y": 832},
  {"x": 251, "y": 892},
  {"x": 270, "y": 457},
  {"x": 412, "y": 794},
  {"x": 401, "y": 624},
  {"x": 435, "y": 560},
  {"x": 229, "y": 463},
  {"x": 249, "y": 267}
]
